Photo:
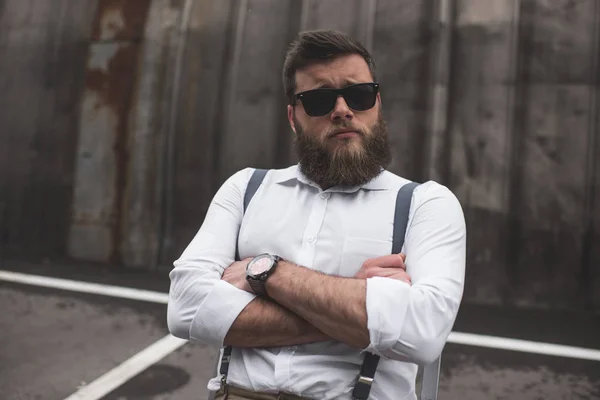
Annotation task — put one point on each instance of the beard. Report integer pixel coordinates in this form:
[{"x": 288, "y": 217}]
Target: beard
[{"x": 348, "y": 163}]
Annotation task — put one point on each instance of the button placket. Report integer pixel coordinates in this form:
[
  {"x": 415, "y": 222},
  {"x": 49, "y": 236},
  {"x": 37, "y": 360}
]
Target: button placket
[
  {"x": 315, "y": 220},
  {"x": 283, "y": 363}
]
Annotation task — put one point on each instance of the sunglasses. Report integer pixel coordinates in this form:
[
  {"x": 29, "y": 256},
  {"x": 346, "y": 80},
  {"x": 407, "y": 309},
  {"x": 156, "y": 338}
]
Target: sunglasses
[{"x": 320, "y": 102}]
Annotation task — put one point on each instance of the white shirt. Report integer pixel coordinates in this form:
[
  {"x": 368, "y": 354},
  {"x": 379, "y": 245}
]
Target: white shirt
[{"x": 333, "y": 231}]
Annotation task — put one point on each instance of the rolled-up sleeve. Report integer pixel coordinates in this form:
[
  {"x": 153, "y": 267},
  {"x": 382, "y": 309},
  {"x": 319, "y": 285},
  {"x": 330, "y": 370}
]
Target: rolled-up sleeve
[
  {"x": 201, "y": 306},
  {"x": 412, "y": 322}
]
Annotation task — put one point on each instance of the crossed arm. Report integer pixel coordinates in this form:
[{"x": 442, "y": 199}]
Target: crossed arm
[
  {"x": 264, "y": 323},
  {"x": 334, "y": 310}
]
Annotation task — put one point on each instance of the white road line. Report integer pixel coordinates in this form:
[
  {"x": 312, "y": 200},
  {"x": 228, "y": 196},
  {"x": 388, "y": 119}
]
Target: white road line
[
  {"x": 127, "y": 370},
  {"x": 468, "y": 339},
  {"x": 550, "y": 349},
  {"x": 85, "y": 287}
]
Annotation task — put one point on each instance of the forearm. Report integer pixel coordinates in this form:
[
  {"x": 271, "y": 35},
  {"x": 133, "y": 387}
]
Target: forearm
[
  {"x": 266, "y": 324},
  {"x": 334, "y": 305}
]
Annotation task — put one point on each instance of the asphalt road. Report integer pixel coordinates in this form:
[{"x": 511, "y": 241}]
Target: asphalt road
[{"x": 53, "y": 341}]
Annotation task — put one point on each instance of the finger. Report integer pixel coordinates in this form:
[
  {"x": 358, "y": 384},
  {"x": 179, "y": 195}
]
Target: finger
[
  {"x": 383, "y": 272},
  {"x": 402, "y": 276},
  {"x": 387, "y": 261}
]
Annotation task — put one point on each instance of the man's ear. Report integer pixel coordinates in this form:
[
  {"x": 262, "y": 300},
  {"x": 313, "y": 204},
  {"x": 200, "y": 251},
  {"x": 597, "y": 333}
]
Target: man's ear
[
  {"x": 379, "y": 97},
  {"x": 290, "y": 111}
]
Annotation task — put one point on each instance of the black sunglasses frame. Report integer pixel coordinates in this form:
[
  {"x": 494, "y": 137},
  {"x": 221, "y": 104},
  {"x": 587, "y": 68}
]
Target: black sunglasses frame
[{"x": 338, "y": 92}]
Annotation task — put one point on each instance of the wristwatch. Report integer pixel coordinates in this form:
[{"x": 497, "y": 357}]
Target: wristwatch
[{"x": 259, "y": 269}]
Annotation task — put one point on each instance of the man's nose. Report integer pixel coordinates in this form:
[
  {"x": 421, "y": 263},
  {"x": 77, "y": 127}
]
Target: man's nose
[{"x": 341, "y": 110}]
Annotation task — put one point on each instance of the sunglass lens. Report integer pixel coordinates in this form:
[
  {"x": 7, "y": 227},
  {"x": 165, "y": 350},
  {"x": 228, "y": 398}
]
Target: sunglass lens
[
  {"x": 318, "y": 103},
  {"x": 361, "y": 97}
]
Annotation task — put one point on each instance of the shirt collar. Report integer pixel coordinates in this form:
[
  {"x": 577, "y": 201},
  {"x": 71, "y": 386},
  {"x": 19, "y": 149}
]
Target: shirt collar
[{"x": 294, "y": 174}]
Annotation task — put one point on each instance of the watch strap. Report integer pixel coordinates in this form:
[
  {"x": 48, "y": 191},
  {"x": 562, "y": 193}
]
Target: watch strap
[{"x": 258, "y": 286}]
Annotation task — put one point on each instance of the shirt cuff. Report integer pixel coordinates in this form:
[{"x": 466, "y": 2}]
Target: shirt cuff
[
  {"x": 217, "y": 313},
  {"x": 387, "y": 304}
]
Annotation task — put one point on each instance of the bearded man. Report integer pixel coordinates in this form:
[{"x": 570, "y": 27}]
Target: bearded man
[{"x": 317, "y": 289}]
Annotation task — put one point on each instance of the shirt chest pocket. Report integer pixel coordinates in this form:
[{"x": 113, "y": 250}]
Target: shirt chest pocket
[{"x": 356, "y": 250}]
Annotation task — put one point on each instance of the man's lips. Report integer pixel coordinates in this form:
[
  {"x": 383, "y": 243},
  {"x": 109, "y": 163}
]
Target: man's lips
[{"x": 344, "y": 134}]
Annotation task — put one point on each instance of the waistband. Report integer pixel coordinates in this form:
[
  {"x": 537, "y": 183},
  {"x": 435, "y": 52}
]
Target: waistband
[{"x": 229, "y": 392}]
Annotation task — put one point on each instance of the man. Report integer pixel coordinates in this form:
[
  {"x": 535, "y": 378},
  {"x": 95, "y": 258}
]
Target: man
[{"x": 304, "y": 326}]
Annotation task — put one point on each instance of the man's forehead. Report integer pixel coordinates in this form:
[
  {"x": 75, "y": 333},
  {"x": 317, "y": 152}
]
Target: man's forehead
[{"x": 339, "y": 72}]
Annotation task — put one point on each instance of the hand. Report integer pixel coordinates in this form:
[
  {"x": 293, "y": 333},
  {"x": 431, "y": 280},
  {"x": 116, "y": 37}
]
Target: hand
[
  {"x": 235, "y": 274},
  {"x": 390, "y": 266}
]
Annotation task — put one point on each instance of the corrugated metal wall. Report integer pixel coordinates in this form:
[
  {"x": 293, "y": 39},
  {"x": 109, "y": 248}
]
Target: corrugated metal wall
[{"x": 495, "y": 98}]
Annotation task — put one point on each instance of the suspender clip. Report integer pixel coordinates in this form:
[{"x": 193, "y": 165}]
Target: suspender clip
[
  {"x": 225, "y": 364},
  {"x": 365, "y": 380}
]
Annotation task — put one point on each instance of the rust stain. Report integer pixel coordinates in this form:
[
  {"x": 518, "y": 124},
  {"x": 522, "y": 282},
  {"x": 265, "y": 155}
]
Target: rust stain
[
  {"x": 114, "y": 87},
  {"x": 114, "y": 84},
  {"x": 118, "y": 25},
  {"x": 120, "y": 20}
]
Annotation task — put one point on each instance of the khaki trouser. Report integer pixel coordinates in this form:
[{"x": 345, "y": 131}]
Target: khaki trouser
[{"x": 233, "y": 393}]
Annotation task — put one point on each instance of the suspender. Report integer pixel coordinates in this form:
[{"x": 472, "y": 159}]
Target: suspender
[
  {"x": 368, "y": 369},
  {"x": 253, "y": 184},
  {"x": 362, "y": 388},
  {"x": 255, "y": 180}
]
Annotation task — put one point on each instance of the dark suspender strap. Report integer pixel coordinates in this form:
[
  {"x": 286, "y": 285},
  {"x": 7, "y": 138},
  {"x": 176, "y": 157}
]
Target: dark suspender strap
[
  {"x": 403, "y": 200},
  {"x": 255, "y": 180},
  {"x": 253, "y": 184},
  {"x": 362, "y": 388},
  {"x": 225, "y": 360}
]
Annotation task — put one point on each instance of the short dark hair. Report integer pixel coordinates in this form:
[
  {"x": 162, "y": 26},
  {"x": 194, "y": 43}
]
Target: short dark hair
[{"x": 317, "y": 46}]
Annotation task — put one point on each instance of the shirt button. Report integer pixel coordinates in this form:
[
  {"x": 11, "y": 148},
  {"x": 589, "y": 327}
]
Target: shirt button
[
  {"x": 324, "y": 196},
  {"x": 310, "y": 239}
]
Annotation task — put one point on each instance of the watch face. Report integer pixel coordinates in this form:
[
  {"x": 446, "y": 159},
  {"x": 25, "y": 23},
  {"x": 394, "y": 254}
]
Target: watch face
[{"x": 260, "y": 265}]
